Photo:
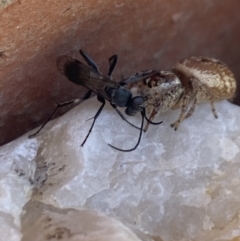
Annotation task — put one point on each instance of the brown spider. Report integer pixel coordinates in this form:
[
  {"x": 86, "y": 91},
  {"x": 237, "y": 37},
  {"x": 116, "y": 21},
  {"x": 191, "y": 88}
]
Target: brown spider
[{"x": 191, "y": 81}]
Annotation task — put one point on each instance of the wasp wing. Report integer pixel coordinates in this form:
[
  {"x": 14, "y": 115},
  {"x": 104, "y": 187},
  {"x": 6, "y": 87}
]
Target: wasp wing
[
  {"x": 81, "y": 74},
  {"x": 133, "y": 79}
]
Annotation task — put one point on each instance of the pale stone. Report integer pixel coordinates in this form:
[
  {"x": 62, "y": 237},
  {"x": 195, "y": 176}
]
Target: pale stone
[
  {"x": 177, "y": 185},
  {"x": 49, "y": 223},
  {"x": 17, "y": 169}
]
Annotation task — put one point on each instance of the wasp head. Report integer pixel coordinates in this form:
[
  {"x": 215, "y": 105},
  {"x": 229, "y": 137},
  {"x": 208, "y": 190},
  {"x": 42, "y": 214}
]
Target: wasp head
[{"x": 135, "y": 105}]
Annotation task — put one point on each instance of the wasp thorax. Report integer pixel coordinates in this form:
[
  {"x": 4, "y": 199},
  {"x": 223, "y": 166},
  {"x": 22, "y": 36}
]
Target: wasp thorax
[{"x": 119, "y": 97}]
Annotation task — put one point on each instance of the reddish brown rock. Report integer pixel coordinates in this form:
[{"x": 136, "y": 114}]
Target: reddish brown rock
[{"x": 144, "y": 34}]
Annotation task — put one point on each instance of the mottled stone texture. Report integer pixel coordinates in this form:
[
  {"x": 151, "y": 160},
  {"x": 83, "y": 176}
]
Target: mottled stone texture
[
  {"x": 145, "y": 34},
  {"x": 176, "y": 186}
]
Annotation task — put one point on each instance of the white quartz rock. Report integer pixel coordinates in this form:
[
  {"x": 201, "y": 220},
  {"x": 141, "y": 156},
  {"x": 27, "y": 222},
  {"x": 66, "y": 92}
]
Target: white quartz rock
[
  {"x": 49, "y": 223},
  {"x": 17, "y": 168},
  {"x": 177, "y": 185}
]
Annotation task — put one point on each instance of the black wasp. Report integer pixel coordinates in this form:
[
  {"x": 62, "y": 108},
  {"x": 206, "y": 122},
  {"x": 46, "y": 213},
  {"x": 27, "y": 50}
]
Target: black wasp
[{"x": 104, "y": 87}]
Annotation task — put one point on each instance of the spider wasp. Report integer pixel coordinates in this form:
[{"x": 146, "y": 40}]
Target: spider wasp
[{"x": 104, "y": 87}]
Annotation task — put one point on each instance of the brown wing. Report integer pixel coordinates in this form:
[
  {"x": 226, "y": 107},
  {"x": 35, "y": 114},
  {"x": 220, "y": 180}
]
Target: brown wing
[
  {"x": 133, "y": 79},
  {"x": 81, "y": 74}
]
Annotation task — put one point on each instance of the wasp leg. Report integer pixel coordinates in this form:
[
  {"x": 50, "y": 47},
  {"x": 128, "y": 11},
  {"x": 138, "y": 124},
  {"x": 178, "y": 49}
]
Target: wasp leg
[
  {"x": 59, "y": 105},
  {"x": 150, "y": 120},
  {"x": 123, "y": 117},
  {"x": 89, "y": 60},
  {"x": 112, "y": 63},
  {"x": 102, "y": 100},
  {"x": 139, "y": 138},
  {"x": 154, "y": 112}
]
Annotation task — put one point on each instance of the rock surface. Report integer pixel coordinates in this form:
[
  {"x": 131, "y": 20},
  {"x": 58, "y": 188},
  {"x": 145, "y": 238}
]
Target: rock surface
[
  {"x": 51, "y": 223},
  {"x": 181, "y": 185}
]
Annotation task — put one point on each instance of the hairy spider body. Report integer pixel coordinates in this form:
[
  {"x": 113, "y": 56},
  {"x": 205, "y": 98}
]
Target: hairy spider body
[{"x": 191, "y": 81}]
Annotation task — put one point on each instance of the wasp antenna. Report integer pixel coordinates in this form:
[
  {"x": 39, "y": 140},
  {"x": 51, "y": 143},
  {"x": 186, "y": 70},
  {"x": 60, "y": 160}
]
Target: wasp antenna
[
  {"x": 112, "y": 61},
  {"x": 139, "y": 138},
  {"x": 153, "y": 123}
]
